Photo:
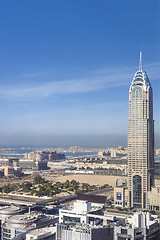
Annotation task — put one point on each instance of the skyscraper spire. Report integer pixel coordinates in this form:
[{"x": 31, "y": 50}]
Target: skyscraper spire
[{"x": 140, "y": 62}]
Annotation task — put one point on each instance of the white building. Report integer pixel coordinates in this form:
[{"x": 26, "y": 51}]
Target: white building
[
  {"x": 83, "y": 232},
  {"x": 79, "y": 212},
  {"x": 140, "y": 226},
  {"x": 47, "y": 233},
  {"x": 19, "y": 225}
]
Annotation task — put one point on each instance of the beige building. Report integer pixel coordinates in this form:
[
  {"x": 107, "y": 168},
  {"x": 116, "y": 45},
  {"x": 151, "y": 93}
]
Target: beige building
[
  {"x": 140, "y": 140},
  {"x": 157, "y": 151},
  {"x": 121, "y": 197},
  {"x": 8, "y": 171},
  {"x": 154, "y": 198}
]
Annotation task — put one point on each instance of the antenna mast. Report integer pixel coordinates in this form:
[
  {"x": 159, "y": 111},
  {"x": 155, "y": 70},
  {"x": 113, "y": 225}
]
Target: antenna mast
[{"x": 140, "y": 62}]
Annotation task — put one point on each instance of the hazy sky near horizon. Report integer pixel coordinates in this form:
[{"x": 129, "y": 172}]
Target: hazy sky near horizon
[{"x": 66, "y": 68}]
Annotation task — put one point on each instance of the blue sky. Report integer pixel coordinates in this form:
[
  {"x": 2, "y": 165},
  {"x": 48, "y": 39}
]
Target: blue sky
[{"x": 66, "y": 68}]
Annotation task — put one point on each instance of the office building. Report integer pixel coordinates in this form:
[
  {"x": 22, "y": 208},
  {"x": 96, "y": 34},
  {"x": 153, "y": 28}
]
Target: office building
[
  {"x": 84, "y": 220},
  {"x": 154, "y": 198},
  {"x": 138, "y": 226},
  {"x": 83, "y": 231},
  {"x": 140, "y": 139},
  {"x": 80, "y": 212},
  {"x": 121, "y": 197}
]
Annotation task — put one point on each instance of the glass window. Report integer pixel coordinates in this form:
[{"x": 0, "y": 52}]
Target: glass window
[{"x": 137, "y": 193}]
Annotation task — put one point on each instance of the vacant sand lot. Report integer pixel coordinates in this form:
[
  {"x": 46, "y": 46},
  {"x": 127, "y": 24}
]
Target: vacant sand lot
[{"x": 91, "y": 179}]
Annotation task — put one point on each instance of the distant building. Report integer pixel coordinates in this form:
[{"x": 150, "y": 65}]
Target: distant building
[
  {"x": 9, "y": 167},
  {"x": 29, "y": 164},
  {"x": 10, "y": 171},
  {"x": 113, "y": 153},
  {"x": 6, "y": 162},
  {"x": 157, "y": 151},
  {"x": 44, "y": 155},
  {"x": 40, "y": 165},
  {"x": 53, "y": 156},
  {"x": 121, "y": 182},
  {"x": 104, "y": 153},
  {"x": 26, "y": 164},
  {"x": 120, "y": 148}
]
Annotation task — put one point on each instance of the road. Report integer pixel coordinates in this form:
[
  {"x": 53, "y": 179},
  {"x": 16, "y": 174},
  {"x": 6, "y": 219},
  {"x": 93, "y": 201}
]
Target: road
[{"x": 55, "y": 200}]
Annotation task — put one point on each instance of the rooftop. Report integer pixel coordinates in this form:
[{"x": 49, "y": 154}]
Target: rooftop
[
  {"x": 81, "y": 227},
  {"x": 10, "y": 210},
  {"x": 29, "y": 220},
  {"x": 42, "y": 231}
]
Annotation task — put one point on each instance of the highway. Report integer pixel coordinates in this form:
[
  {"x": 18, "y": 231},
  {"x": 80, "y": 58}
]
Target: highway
[{"x": 54, "y": 200}]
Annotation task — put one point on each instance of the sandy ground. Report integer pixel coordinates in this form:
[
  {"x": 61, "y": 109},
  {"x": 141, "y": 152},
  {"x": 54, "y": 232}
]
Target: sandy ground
[{"x": 91, "y": 179}]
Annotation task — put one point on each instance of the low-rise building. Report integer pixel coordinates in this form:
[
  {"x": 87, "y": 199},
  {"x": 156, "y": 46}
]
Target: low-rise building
[
  {"x": 121, "y": 182},
  {"x": 5, "y": 162},
  {"x": 6, "y": 212},
  {"x": 40, "y": 165},
  {"x": 26, "y": 164},
  {"x": 44, "y": 155},
  {"x": 10, "y": 171},
  {"x": 35, "y": 165},
  {"x": 19, "y": 225}
]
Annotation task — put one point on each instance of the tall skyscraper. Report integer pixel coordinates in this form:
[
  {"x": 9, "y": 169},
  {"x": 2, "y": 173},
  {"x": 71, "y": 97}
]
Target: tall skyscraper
[{"x": 140, "y": 139}]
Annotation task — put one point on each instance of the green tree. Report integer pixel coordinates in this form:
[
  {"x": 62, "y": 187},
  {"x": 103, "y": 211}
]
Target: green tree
[
  {"x": 78, "y": 191},
  {"x": 27, "y": 186},
  {"x": 38, "y": 179},
  {"x": 39, "y": 193},
  {"x": 73, "y": 182},
  {"x": 33, "y": 192},
  {"x": 66, "y": 184},
  {"x": 6, "y": 188}
]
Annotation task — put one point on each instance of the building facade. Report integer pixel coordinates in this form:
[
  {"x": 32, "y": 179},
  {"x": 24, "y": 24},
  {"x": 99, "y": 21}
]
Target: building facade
[
  {"x": 81, "y": 212},
  {"x": 140, "y": 140},
  {"x": 83, "y": 232},
  {"x": 140, "y": 226}
]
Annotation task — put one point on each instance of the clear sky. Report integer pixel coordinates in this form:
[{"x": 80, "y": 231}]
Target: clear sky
[{"x": 66, "y": 68}]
